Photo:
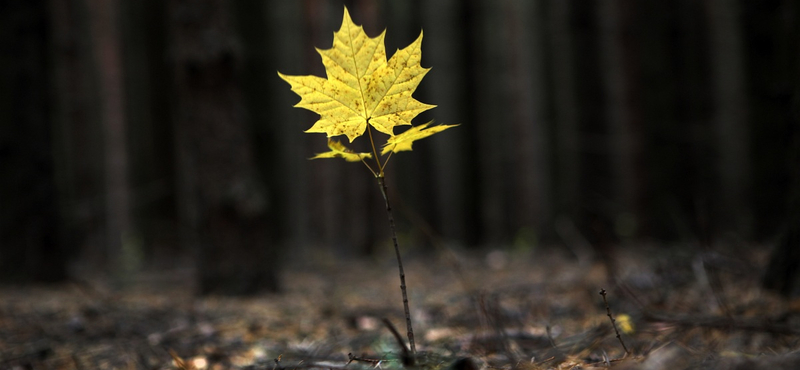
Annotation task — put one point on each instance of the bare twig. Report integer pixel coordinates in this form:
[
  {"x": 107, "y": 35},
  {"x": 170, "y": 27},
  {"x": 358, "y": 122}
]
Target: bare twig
[
  {"x": 613, "y": 322},
  {"x": 375, "y": 362}
]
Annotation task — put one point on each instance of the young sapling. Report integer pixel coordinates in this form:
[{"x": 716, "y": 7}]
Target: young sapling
[{"x": 365, "y": 92}]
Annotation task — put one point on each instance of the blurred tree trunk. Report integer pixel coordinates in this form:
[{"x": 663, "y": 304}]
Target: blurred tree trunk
[
  {"x": 672, "y": 43},
  {"x": 290, "y": 175},
  {"x": 78, "y": 132},
  {"x": 620, "y": 60},
  {"x": 223, "y": 199},
  {"x": 148, "y": 83},
  {"x": 594, "y": 215},
  {"x": 697, "y": 185},
  {"x": 106, "y": 37},
  {"x": 730, "y": 116},
  {"x": 529, "y": 205},
  {"x": 457, "y": 177},
  {"x": 493, "y": 121},
  {"x": 31, "y": 249},
  {"x": 776, "y": 35},
  {"x": 256, "y": 72},
  {"x": 661, "y": 148},
  {"x": 565, "y": 123},
  {"x": 783, "y": 271},
  {"x": 443, "y": 22},
  {"x": 771, "y": 40}
]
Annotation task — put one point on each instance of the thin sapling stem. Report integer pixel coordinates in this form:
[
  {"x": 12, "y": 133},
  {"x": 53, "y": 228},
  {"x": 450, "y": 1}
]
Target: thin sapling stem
[{"x": 384, "y": 192}]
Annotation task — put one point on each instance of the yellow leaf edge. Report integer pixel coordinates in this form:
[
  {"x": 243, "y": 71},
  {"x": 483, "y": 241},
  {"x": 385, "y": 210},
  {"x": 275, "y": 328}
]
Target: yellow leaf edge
[
  {"x": 339, "y": 150},
  {"x": 404, "y": 141}
]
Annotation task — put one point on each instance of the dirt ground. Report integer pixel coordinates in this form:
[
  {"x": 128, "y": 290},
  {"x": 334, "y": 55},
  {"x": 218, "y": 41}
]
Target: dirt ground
[{"x": 676, "y": 308}]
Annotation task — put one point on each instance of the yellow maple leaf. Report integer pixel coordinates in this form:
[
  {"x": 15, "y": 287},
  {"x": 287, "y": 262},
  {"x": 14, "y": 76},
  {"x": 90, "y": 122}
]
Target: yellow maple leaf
[
  {"x": 362, "y": 86},
  {"x": 338, "y": 150},
  {"x": 401, "y": 142}
]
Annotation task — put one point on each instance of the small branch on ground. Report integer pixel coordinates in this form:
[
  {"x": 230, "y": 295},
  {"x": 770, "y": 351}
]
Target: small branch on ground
[
  {"x": 372, "y": 361},
  {"x": 613, "y": 322}
]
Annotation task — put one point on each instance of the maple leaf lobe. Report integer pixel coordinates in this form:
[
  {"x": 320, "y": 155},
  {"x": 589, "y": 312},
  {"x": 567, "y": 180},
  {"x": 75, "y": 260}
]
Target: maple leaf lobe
[
  {"x": 339, "y": 150},
  {"x": 404, "y": 141}
]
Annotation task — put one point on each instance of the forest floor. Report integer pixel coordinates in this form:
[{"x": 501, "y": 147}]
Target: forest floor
[{"x": 676, "y": 308}]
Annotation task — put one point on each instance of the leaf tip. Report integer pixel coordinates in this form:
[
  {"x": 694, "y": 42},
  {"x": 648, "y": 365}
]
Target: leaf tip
[{"x": 346, "y": 19}]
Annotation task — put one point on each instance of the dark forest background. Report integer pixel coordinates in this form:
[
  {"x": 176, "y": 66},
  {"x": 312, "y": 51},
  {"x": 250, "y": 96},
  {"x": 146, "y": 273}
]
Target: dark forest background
[{"x": 139, "y": 134}]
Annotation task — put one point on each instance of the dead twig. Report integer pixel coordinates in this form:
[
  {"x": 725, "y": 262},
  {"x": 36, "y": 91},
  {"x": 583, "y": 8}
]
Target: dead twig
[
  {"x": 375, "y": 362},
  {"x": 613, "y": 322}
]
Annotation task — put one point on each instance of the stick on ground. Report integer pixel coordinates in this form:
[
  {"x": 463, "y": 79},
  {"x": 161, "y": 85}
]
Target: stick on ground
[{"x": 613, "y": 322}]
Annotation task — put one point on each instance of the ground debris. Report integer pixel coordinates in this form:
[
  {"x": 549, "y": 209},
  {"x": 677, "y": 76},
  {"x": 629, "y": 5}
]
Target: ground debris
[{"x": 540, "y": 311}]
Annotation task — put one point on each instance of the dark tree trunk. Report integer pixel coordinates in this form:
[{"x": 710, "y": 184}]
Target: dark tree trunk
[
  {"x": 730, "y": 116},
  {"x": 783, "y": 271},
  {"x": 565, "y": 117},
  {"x": 105, "y": 32},
  {"x": 148, "y": 84},
  {"x": 594, "y": 216},
  {"x": 774, "y": 37},
  {"x": 621, "y": 65},
  {"x": 493, "y": 122},
  {"x": 442, "y": 18},
  {"x": 30, "y": 249},
  {"x": 224, "y": 202},
  {"x": 78, "y": 133}
]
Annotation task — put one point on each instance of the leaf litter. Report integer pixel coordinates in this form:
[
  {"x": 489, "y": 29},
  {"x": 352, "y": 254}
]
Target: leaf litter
[{"x": 534, "y": 310}]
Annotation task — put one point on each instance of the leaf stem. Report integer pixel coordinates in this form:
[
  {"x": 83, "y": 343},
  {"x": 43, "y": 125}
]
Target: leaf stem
[
  {"x": 369, "y": 167},
  {"x": 374, "y": 151},
  {"x": 384, "y": 192},
  {"x": 386, "y": 161}
]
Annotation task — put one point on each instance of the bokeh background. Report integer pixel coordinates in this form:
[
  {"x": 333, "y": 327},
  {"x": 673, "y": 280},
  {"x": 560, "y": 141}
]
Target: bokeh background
[{"x": 141, "y": 134}]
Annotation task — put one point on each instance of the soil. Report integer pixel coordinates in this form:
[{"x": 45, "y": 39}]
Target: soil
[{"x": 675, "y": 308}]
